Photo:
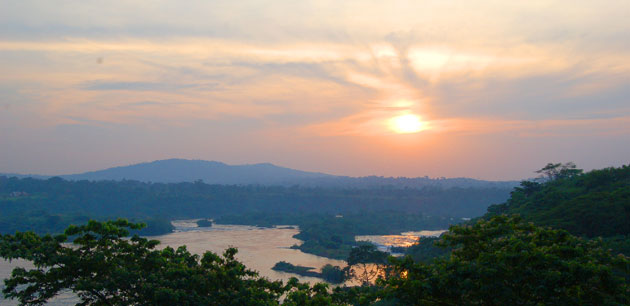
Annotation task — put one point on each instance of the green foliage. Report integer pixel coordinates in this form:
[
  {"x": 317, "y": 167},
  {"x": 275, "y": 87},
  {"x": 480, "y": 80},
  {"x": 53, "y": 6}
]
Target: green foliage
[
  {"x": 559, "y": 171},
  {"x": 366, "y": 263},
  {"x": 103, "y": 268},
  {"x": 53, "y": 204},
  {"x": 426, "y": 251},
  {"x": 284, "y": 266},
  {"x": 333, "y": 236},
  {"x": 305, "y": 295},
  {"x": 204, "y": 223},
  {"x": 505, "y": 261},
  {"x": 155, "y": 227},
  {"x": 593, "y": 204},
  {"x": 500, "y": 261},
  {"x": 618, "y": 244},
  {"x": 330, "y": 273},
  {"x": 39, "y": 221},
  {"x": 333, "y": 274}
]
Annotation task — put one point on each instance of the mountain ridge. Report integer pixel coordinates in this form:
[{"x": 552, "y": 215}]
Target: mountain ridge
[{"x": 176, "y": 170}]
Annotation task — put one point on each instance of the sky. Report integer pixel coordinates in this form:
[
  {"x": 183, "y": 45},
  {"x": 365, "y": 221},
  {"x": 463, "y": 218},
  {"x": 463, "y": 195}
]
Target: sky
[{"x": 483, "y": 89}]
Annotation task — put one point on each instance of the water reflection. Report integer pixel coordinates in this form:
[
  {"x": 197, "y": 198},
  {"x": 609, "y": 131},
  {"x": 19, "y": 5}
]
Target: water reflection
[
  {"x": 258, "y": 248},
  {"x": 405, "y": 239},
  {"x": 63, "y": 299}
]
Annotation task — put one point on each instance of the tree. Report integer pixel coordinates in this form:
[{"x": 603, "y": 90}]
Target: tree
[
  {"x": 104, "y": 268},
  {"x": 333, "y": 274},
  {"x": 505, "y": 261},
  {"x": 305, "y": 295},
  {"x": 529, "y": 187},
  {"x": 499, "y": 261},
  {"x": 204, "y": 223},
  {"x": 558, "y": 171},
  {"x": 366, "y": 263}
]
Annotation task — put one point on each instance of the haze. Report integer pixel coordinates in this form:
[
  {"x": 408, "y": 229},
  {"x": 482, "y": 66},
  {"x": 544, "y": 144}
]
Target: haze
[{"x": 498, "y": 88}]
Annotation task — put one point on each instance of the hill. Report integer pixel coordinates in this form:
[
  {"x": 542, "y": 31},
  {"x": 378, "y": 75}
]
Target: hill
[
  {"x": 212, "y": 172},
  {"x": 592, "y": 204}
]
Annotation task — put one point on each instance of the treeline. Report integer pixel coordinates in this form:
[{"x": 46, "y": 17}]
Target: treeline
[
  {"x": 50, "y": 205},
  {"x": 43, "y": 221}
]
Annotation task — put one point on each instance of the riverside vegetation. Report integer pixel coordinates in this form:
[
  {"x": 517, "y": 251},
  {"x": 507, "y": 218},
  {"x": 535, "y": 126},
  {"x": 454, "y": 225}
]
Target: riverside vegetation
[
  {"x": 498, "y": 259},
  {"x": 49, "y": 206},
  {"x": 333, "y": 236}
]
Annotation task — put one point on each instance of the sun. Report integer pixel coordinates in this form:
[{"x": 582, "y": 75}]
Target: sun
[{"x": 406, "y": 124}]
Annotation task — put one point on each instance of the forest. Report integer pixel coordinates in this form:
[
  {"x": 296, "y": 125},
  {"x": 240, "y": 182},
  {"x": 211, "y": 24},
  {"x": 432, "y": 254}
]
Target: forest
[
  {"x": 522, "y": 252},
  {"x": 499, "y": 261},
  {"x": 591, "y": 205},
  {"x": 49, "y": 206}
]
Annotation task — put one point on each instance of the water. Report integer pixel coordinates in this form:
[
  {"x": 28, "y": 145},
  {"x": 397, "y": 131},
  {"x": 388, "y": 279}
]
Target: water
[
  {"x": 258, "y": 248},
  {"x": 65, "y": 298},
  {"x": 405, "y": 239}
]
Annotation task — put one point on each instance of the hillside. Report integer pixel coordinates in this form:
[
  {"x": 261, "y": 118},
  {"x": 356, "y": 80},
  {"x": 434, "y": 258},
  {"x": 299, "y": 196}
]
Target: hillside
[{"x": 593, "y": 204}]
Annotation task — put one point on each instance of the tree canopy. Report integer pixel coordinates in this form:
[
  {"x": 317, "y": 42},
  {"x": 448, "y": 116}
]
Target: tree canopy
[
  {"x": 500, "y": 261},
  {"x": 592, "y": 204},
  {"x": 49, "y": 206},
  {"x": 506, "y": 261},
  {"x": 529, "y": 257},
  {"x": 554, "y": 171},
  {"x": 104, "y": 268}
]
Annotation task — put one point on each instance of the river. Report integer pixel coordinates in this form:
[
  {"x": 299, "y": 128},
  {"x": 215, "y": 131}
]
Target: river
[{"x": 258, "y": 248}]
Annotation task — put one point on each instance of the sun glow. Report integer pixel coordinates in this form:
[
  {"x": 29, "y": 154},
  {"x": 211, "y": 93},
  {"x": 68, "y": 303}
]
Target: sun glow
[{"x": 406, "y": 124}]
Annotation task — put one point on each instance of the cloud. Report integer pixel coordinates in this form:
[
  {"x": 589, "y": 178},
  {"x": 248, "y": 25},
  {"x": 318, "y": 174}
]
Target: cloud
[
  {"x": 562, "y": 95},
  {"x": 145, "y": 103},
  {"x": 139, "y": 86},
  {"x": 308, "y": 70}
]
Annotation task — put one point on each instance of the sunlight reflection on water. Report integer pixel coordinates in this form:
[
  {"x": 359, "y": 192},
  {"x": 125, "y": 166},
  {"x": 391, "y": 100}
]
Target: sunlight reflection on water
[
  {"x": 405, "y": 239},
  {"x": 259, "y": 249}
]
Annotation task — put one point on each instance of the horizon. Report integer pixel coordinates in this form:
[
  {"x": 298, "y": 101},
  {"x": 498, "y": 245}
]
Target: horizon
[
  {"x": 280, "y": 166},
  {"x": 490, "y": 91}
]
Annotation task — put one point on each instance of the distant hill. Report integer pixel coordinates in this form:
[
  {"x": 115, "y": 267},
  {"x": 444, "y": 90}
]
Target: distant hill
[
  {"x": 593, "y": 204},
  {"x": 35, "y": 176},
  {"x": 212, "y": 172}
]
